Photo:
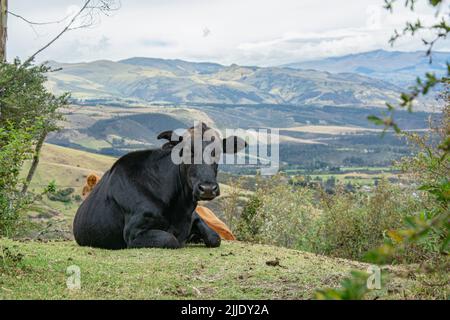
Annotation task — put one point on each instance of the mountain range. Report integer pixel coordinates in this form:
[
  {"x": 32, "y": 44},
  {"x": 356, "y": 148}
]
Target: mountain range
[
  {"x": 360, "y": 80},
  {"x": 399, "y": 68},
  {"x": 180, "y": 82}
]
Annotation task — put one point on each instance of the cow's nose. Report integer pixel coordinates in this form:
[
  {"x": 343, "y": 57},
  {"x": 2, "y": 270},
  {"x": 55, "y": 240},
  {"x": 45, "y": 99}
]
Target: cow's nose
[
  {"x": 210, "y": 187},
  {"x": 208, "y": 190}
]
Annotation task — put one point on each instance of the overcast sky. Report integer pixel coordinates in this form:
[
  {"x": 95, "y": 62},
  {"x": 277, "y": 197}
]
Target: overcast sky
[{"x": 249, "y": 32}]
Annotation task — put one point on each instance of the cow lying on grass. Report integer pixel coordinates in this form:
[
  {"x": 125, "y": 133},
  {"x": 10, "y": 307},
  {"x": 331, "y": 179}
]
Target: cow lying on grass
[
  {"x": 205, "y": 214},
  {"x": 146, "y": 200}
]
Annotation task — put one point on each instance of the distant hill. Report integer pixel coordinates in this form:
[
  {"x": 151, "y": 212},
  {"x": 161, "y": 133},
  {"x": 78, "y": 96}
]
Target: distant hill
[
  {"x": 182, "y": 82},
  {"x": 178, "y": 67},
  {"x": 400, "y": 68}
]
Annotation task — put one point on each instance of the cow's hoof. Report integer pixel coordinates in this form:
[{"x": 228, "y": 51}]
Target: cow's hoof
[{"x": 213, "y": 241}]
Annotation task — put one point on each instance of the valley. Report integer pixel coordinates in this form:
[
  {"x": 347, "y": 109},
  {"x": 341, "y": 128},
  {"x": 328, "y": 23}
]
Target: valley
[{"x": 311, "y": 138}]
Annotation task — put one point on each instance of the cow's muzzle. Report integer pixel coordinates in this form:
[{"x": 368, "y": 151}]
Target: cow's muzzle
[{"x": 207, "y": 191}]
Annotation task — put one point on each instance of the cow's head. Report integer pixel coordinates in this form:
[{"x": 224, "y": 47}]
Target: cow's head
[{"x": 198, "y": 151}]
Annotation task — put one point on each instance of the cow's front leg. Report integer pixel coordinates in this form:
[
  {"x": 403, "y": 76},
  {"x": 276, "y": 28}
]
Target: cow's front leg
[
  {"x": 141, "y": 232},
  {"x": 154, "y": 239},
  {"x": 200, "y": 230}
]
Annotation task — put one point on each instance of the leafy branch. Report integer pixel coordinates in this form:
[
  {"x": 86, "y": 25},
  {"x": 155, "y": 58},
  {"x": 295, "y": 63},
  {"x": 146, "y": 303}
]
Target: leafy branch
[{"x": 422, "y": 86}]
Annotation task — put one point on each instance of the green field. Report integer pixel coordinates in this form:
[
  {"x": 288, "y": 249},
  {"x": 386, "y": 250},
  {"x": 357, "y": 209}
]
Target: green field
[{"x": 362, "y": 176}]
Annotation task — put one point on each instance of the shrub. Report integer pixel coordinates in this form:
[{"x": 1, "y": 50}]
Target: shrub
[
  {"x": 353, "y": 223},
  {"x": 10, "y": 259},
  {"x": 250, "y": 222},
  {"x": 340, "y": 224},
  {"x": 62, "y": 195},
  {"x": 429, "y": 226},
  {"x": 28, "y": 112},
  {"x": 278, "y": 214},
  {"x": 15, "y": 148}
]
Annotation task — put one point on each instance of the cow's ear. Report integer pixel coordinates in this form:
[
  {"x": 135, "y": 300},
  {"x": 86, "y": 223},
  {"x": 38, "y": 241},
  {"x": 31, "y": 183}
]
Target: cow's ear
[
  {"x": 233, "y": 144},
  {"x": 172, "y": 137},
  {"x": 165, "y": 135}
]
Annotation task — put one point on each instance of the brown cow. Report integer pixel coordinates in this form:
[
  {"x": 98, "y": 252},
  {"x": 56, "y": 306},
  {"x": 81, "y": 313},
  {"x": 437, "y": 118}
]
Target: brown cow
[{"x": 91, "y": 182}]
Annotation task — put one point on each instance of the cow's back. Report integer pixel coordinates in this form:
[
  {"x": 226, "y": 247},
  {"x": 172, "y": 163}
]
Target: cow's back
[{"x": 99, "y": 222}]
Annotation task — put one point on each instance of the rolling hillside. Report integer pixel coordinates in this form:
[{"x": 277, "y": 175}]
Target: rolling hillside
[{"x": 182, "y": 82}]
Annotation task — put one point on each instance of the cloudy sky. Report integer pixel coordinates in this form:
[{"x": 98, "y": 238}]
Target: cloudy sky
[{"x": 250, "y": 32}]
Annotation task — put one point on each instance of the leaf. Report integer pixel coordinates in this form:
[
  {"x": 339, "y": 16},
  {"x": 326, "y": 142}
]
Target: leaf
[
  {"x": 395, "y": 235},
  {"x": 375, "y": 120},
  {"x": 380, "y": 255}
]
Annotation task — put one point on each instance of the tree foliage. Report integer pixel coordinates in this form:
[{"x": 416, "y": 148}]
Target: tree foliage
[
  {"x": 27, "y": 111},
  {"x": 15, "y": 148}
]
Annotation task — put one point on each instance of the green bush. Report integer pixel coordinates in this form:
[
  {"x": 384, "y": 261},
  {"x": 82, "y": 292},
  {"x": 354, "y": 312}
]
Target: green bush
[
  {"x": 278, "y": 213},
  {"x": 353, "y": 223},
  {"x": 250, "y": 222},
  {"x": 15, "y": 148},
  {"x": 62, "y": 195},
  {"x": 28, "y": 111}
]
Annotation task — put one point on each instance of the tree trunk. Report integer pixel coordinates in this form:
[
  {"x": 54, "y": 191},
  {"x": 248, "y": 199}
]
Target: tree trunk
[
  {"x": 3, "y": 28},
  {"x": 34, "y": 164}
]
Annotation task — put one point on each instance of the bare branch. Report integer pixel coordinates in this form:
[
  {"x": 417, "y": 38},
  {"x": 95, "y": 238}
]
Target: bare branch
[
  {"x": 87, "y": 16},
  {"x": 37, "y": 23}
]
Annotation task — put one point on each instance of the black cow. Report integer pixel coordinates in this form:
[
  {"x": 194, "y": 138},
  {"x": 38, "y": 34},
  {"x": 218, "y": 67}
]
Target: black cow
[{"x": 146, "y": 200}]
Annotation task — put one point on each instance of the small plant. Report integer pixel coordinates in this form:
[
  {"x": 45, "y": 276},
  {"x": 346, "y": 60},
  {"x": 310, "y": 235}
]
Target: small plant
[
  {"x": 62, "y": 195},
  {"x": 249, "y": 223},
  {"x": 352, "y": 288},
  {"x": 9, "y": 259}
]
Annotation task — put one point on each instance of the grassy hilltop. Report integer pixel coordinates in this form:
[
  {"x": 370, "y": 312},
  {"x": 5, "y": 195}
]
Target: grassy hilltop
[{"x": 34, "y": 270}]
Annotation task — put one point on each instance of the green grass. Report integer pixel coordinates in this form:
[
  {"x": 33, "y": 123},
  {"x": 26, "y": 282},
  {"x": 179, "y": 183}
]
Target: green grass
[{"x": 233, "y": 271}]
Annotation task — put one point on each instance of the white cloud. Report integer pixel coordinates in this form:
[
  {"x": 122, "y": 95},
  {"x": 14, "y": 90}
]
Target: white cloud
[{"x": 251, "y": 32}]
